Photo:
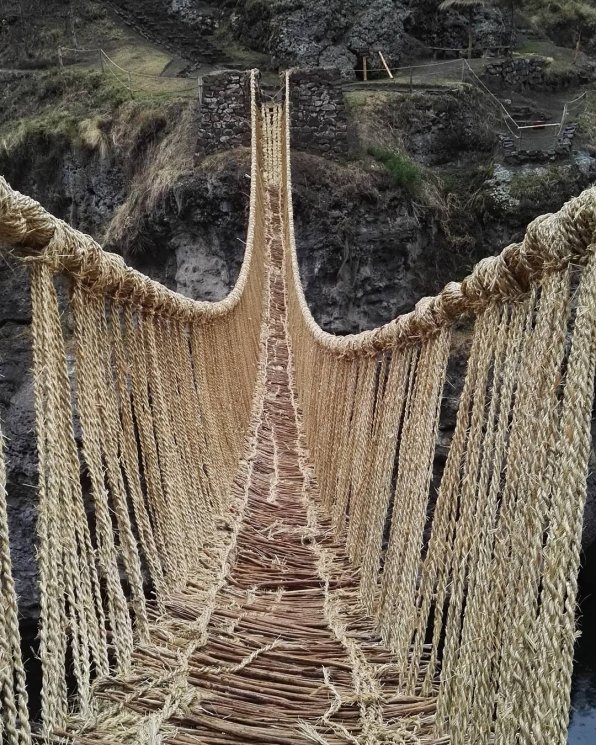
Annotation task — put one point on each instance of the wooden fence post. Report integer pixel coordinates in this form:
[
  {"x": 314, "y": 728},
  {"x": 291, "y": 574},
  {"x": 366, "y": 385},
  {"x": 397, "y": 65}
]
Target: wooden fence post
[{"x": 385, "y": 65}]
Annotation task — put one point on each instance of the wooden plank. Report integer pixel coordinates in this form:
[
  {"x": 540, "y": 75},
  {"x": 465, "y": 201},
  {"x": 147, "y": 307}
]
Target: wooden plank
[{"x": 385, "y": 65}]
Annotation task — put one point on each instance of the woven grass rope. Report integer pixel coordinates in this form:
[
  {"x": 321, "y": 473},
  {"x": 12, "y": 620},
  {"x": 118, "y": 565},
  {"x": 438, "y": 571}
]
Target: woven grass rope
[{"x": 239, "y": 536}]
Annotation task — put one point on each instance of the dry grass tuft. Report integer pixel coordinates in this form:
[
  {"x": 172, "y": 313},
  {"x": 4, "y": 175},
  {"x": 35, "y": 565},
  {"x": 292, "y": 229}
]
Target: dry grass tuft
[
  {"x": 94, "y": 134},
  {"x": 159, "y": 146}
]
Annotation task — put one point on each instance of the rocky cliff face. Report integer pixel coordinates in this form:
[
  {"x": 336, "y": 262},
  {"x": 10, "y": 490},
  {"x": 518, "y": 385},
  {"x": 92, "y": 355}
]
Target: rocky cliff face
[
  {"x": 324, "y": 34},
  {"x": 336, "y": 33}
]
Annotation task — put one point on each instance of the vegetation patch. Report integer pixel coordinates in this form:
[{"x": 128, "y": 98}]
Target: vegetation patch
[
  {"x": 49, "y": 106},
  {"x": 555, "y": 12},
  {"x": 76, "y": 106},
  {"x": 402, "y": 169},
  {"x": 541, "y": 189},
  {"x": 158, "y": 145},
  {"x": 563, "y": 20},
  {"x": 587, "y": 120}
]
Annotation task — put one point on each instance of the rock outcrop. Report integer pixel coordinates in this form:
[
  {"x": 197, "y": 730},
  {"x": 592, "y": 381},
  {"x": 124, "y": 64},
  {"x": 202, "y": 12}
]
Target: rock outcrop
[{"x": 325, "y": 33}]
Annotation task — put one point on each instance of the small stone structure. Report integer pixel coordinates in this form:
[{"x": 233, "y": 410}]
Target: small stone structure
[
  {"x": 224, "y": 112},
  {"x": 317, "y": 112},
  {"x": 518, "y": 73},
  {"x": 536, "y": 73},
  {"x": 562, "y": 148}
]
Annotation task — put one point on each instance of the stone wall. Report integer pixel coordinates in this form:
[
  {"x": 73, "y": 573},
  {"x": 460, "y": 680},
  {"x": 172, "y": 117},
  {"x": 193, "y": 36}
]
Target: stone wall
[
  {"x": 519, "y": 73},
  {"x": 318, "y": 112},
  {"x": 224, "y": 112}
]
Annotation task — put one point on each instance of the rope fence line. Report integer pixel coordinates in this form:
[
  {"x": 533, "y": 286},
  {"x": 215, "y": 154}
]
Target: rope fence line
[
  {"x": 107, "y": 64},
  {"x": 145, "y": 358},
  {"x": 463, "y": 69}
]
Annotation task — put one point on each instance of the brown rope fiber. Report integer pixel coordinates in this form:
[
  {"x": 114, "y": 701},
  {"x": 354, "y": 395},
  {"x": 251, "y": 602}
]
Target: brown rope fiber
[{"x": 241, "y": 534}]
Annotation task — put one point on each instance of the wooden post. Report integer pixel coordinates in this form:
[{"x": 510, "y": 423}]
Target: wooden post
[
  {"x": 411, "y": 79},
  {"x": 576, "y": 52},
  {"x": 101, "y": 59},
  {"x": 364, "y": 68},
  {"x": 60, "y": 60},
  {"x": 385, "y": 65}
]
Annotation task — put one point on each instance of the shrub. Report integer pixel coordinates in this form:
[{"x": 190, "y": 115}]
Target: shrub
[{"x": 403, "y": 171}]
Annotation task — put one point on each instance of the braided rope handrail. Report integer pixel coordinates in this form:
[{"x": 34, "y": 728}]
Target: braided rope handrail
[
  {"x": 551, "y": 242},
  {"x": 37, "y": 235}
]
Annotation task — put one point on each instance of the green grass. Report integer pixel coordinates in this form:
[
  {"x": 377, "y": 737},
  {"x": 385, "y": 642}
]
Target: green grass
[
  {"x": 562, "y": 57},
  {"x": 531, "y": 187},
  {"x": 402, "y": 170},
  {"x": 587, "y": 120},
  {"x": 561, "y": 11},
  {"x": 53, "y": 106}
]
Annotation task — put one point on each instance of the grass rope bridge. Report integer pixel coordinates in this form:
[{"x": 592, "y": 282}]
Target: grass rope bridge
[{"x": 260, "y": 555}]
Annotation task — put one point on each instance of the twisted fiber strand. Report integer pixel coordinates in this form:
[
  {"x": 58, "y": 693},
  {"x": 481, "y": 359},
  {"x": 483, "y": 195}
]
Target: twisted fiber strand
[
  {"x": 89, "y": 386},
  {"x": 62, "y": 523},
  {"x": 390, "y": 416},
  {"x": 131, "y": 461},
  {"x": 473, "y": 667},
  {"x": 359, "y": 519},
  {"x": 169, "y": 459},
  {"x": 44, "y": 327},
  {"x": 387, "y": 594},
  {"x": 412, "y": 491},
  {"x": 13, "y": 692},
  {"x": 160, "y": 508},
  {"x": 321, "y": 404},
  {"x": 189, "y": 400},
  {"x": 112, "y": 447},
  {"x": 361, "y": 425},
  {"x": 486, "y": 595},
  {"x": 522, "y": 439},
  {"x": 198, "y": 523},
  {"x": 346, "y": 445},
  {"x": 207, "y": 419},
  {"x": 435, "y": 570},
  {"x": 556, "y": 622},
  {"x": 434, "y": 378},
  {"x": 84, "y": 592},
  {"x": 464, "y": 538},
  {"x": 334, "y": 401},
  {"x": 49, "y": 398},
  {"x": 525, "y": 563}
]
